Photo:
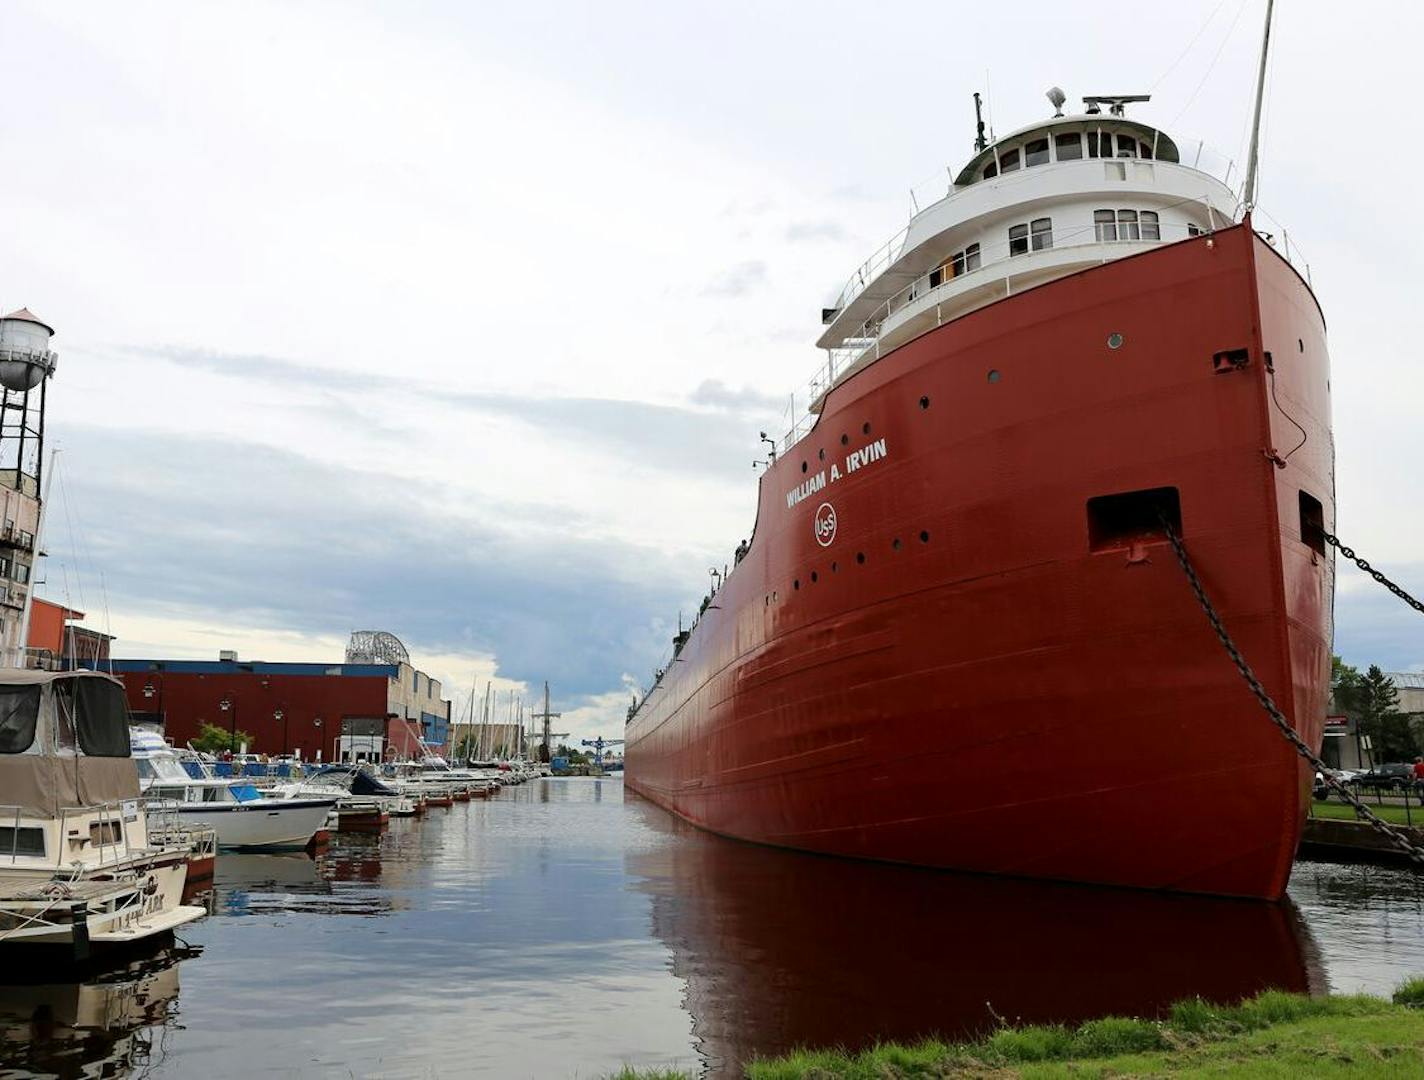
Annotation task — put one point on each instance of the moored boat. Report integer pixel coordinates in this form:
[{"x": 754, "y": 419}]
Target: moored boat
[
  {"x": 236, "y": 810},
  {"x": 78, "y": 867},
  {"x": 958, "y": 636}
]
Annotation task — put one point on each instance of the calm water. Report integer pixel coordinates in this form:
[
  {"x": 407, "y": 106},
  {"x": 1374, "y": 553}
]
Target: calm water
[{"x": 565, "y": 928}]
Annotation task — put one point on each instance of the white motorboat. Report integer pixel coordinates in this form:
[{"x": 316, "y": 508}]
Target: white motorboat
[
  {"x": 355, "y": 789},
  {"x": 78, "y": 868},
  {"x": 235, "y": 809}
]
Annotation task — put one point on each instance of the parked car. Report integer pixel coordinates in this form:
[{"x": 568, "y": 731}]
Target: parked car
[{"x": 1395, "y": 776}]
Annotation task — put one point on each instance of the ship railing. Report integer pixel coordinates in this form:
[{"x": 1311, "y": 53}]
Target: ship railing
[
  {"x": 1194, "y": 154},
  {"x": 937, "y": 287}
]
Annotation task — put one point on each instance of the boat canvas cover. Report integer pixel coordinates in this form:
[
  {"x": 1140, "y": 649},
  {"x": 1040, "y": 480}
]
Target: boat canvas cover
[{"x": 64, "y": 741}]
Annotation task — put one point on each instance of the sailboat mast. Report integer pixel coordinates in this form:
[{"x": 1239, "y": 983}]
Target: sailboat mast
[{"x": 1248, "y": 193}]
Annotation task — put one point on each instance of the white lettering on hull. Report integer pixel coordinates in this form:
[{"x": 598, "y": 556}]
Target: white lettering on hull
[{"x": 857, "y": 459}]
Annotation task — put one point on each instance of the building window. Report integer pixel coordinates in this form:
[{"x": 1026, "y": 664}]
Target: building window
[
  {"x": 1018, "y": 239},
  {"x": 1068, "y": 147},
  {"x": 22, "y": 573},
  {"x": 1036, "y": 153},
  {"x": 1009, "y": 161},
  {"x": 1042, "y": 233}
]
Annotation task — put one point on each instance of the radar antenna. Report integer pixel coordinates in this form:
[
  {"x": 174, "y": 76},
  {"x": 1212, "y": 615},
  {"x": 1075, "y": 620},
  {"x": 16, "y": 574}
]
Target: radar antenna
[{"x": 1116, "y": 103}]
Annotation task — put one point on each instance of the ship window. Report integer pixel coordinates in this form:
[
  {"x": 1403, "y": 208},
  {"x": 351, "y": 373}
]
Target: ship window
[
  {"x": 1193, "y": 229},
  {"x": 991, "y": 170},
  {"x": 1036, "y": 153},
  {"x": 19, "y": 708},
  {"x": 1126, "y": 146},
  {"x": 1150, "y": 229},
  {"x": 1009, "y": 160},
  {"x": 1097, "y": 142},
  {"x": 971, "y": 257},
  {"x": 1127, "y": 225},
  {"x": 1146, "y": 151},
  {"x": 1018, "y": 239},
  {"x": 1042, "y": 229},
  {"x": 22, "y": 841},
  {"x": 1114, "y": 521},
  {"x": 1105, "y": 223},
  {"x": 1068, "y": 147},
  {"x": 937, "y": 276}
]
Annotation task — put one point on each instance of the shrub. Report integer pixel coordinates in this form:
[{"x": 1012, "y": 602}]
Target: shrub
[{"x": 1410, "y": 992}]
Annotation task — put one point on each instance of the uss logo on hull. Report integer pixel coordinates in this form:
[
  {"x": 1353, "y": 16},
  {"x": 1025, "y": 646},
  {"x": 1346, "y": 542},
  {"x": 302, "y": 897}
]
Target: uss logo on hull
[{"x": 825, "y": 524}]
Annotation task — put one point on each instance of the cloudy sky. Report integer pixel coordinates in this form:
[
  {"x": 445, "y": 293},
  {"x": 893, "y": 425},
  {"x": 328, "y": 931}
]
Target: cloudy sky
[{"x": 461, "y": 320}]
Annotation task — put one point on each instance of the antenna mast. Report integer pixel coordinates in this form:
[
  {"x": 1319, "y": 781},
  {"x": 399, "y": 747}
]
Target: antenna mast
[
  {"x": 979, "y": 141},
  {"x": 1248, "y": 193}
]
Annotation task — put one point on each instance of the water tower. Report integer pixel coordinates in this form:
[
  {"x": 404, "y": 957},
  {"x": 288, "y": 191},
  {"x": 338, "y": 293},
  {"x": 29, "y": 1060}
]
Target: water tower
[{"x": 26, "y": 363}]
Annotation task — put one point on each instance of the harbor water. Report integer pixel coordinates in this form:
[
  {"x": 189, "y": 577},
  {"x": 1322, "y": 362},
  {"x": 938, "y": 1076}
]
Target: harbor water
[{"x": 566, "y": 928}]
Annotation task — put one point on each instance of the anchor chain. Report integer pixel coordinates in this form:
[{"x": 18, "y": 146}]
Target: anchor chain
[
  {"x": 1349, "y": 553},
  {"x": 1395, "y": 837}
]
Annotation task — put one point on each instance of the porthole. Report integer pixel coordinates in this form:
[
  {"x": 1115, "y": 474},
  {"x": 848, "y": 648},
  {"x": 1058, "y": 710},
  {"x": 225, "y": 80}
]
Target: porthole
[
  {"x": 835, "y": 567},
  {"x": 1114, "y": 340},
  {"x": 821, "y": 455},
  {"x": 925, "y": 402},
  {"x": 1300, "y": 344},
  {"x": 845, "y": 439},
  {"x": 993, "y": 375},
  {"x": 814, "y": 577},
  {"x": 860, "y": 557},
  {"x": 803, "y": 466},
  {"x": 796, "y": 584},
  {"x": 865, "y": 428},
  {"x": 895, "y": 544},
  {"x": 924, "y": 537}
]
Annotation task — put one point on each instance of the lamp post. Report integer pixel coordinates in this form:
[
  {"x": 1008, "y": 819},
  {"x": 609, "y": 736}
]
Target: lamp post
[
  {"x": 281, "y": 717},
  {"x": 229, "y": 706}
]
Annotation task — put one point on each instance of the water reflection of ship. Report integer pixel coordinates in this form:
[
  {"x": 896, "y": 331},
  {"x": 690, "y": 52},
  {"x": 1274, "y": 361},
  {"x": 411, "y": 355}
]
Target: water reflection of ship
[
  {"x": 779, "y": 949},
  {"x": 105, "y": 1026}
]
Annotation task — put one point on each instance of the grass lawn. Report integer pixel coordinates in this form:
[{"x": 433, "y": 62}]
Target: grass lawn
[
  {"x": 1392, "y": 814},
  {"x": 1274, "y": 1035}
]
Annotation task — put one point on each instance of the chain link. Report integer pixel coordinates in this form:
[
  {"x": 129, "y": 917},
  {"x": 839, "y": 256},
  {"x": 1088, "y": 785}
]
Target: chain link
[
  {"x": 1396, "y": 837},
  {"x": 1349, "y": 553}
]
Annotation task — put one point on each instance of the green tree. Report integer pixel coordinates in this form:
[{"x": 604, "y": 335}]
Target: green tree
[
  {"x": 213, "y": 739},
  {"x": 1377, "y": 712},
  {"x": 1345, "y": 683}
]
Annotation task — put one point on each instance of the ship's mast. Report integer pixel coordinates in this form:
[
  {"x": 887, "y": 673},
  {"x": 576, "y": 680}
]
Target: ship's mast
[{"x": 1248, "y": 193}]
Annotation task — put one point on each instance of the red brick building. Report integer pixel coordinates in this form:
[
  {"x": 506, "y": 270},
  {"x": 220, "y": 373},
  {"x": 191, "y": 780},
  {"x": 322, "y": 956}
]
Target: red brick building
[{"x": 315, "y": 710}]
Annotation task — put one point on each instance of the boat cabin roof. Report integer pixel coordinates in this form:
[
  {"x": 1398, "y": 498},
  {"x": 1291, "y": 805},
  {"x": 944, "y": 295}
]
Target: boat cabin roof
[{"x": 1163, "y": 148}]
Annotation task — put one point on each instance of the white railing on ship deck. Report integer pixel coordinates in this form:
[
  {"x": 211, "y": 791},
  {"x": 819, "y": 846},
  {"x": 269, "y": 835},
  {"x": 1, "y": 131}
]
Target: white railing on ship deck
[
  {"x": 865, "y": 344},
  {"x": 1193, "y": 155}
]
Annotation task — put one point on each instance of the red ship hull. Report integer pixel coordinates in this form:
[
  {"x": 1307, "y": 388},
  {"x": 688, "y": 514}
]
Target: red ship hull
[{"x": 946, "y": 653}]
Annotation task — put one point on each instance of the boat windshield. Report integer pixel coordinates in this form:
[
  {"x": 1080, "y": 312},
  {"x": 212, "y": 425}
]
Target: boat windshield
[{"x": 245, "y": 793}]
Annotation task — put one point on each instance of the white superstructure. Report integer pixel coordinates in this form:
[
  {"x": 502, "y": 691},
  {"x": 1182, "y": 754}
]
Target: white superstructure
[{"x": 1038, "y": 204}]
